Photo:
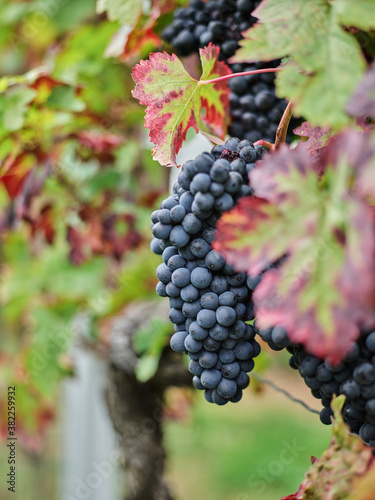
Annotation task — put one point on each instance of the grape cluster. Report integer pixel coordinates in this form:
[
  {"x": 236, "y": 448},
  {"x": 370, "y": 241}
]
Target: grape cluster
[
  {"x": 209, "y": 300},
  {"x": 354, "y": 377},
  {"x": 218, "y": 21},
  {"x": 255, "y": 110}
]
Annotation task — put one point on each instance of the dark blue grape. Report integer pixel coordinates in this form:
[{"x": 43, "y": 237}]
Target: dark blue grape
[
  {"x": 176, "y": 262},
  {"x": 181, "y": 277},
  {"x": 191, "y": 224},
  {"x": 178, "y": 213},
  {"x": 226, "y": 388},
  {"x": 230, "y": 370},
  {"x": 214, "y": 260},
  {"x": 197, "y": 331},
  {"x": 210, "y": 378},
  {"x": 208, "y": 359},
  {"x": 210, "y": 301},
  {"x": 201, "y": 278},
  {"x": 189, "y": 293},
  {"x": 206, "y": 318},
  {"x": 161, "y": 231},
  {"x": 192, "y": 345},
  {"x": 177, "y": 341},
  {"x": 191, "y": 309},
  {"x": 161, "y": 289},
  {"x": 225, "y": 315}
]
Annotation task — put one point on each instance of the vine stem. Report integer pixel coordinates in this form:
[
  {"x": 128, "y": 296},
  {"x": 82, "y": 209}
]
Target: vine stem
[
  {"x": 282, "y": 129},
  {"x": 264, "y": 380},
  {"x": 234, "y": 75}
]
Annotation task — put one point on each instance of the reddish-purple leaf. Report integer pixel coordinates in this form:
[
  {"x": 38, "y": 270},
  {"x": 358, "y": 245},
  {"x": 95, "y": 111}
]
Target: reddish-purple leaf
[
  {"x": 324, "y": 289},
  {"x": 362, "y": 102},
  {"x": 317, "y": 139}
]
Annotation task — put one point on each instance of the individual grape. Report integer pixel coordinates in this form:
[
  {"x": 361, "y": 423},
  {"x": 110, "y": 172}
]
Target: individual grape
[
  {"x": 176, "y": 316},
  {"x": 201, "y": 278},
  {"x": 208, "y": 359},
  {"x": 191, "y": 224},
  {"x": 211, "y": 345},
  {"x": 176, "y": 262},
  {"x": 191, "y": 309},
  {"x": 210, "y": 378},
  {"x": 168, "y": 253},
  {"x": 178, "y": 236},
  {"x": 195, "y": 368},
  {"x": 177, "y": 341},
  {"x": 189, "y": 293},
  {"x": 197, "y": 331},
  {"x": 181, "y": 277},
  {"x": 200, "y": 248},
  {"x": 163, "y": 273},
  {"x": 227, "y": 356},
  {"x": 225, "y": 315},
  {"x": 230, "y": 370},
  {"x": 220, "y": 171},
  {"x": 155, "y": 246},
  {"x": 177, "y": 213},
  {"x": 228, "y": 299},
  {"x": 226, "y": 388},
  {"x": 214, "y": 260},
  {"x": 237, "y": 330},
  {"x": 209, "y": 301},
  {"x": 219, "y": 284},
  {"x": 204, "y": 201},
  {"x": 172, "y": 290},
  {"x": 192, "y": 345},
  {"x": 206, "y": 318},
  {"x": 219, "y": 332},
  {"x": 201, "y": 183},
  {"x": 161, "y": 289},
  {"x": 176, "y": 302},
  {"x": 243, "y": 351},
  {"x": 161, "y": 231}
]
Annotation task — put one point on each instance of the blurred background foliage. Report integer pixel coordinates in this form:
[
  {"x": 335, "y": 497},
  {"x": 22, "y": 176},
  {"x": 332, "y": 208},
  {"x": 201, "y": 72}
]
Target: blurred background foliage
[{"x": 77, "y": 185}]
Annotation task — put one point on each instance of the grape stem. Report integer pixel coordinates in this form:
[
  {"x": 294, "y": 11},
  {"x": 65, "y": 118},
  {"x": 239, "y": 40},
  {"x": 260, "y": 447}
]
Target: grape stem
[
  {"x": 282, "y": 129},
  {"x": 234, "y": 75},
  {"x": 281, "y": 132}
]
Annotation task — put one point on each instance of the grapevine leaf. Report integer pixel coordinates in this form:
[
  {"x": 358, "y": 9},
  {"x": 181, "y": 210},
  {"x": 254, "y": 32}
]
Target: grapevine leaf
[
  {"x": 175, "y": 100},
  {"x": 324, "y": 288},
  {"x": 360, "y": 14},
  {"x": 317, "y": 79},
  {"x": 14, "y": 171},
  {"x": 125, "y": 11},
  {"x": 362, "y": 102},
  {"x": 334, "y": 474},
  {"x": 317, "y": 139}
]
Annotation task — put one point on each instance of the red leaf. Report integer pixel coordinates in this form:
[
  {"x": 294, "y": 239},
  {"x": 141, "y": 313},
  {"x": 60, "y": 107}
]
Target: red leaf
[
  {"x": 99, "y": 142},
  {"x": 14, "y": 171},
  {"x": 175, "y": 100}
]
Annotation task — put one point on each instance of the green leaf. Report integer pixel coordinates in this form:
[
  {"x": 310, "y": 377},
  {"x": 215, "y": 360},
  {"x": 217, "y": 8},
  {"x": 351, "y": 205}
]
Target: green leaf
[
  {"x": 124, "y": 11},
  {"x": 13, "y": 107},
  {"x": 360, "y": 13},
  {"x": 64, "y": 98},
  {"x": 326, "y": 61},
  {"x": 150, "y": 342}
]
